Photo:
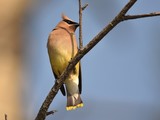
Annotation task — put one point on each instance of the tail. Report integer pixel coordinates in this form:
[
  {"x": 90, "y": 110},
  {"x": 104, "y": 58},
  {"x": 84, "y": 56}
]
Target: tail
[{"x": 74, "y": 102}]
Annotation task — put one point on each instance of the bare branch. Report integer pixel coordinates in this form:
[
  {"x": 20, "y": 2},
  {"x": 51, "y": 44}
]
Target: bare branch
[
  {"x": 129, "y": 17},
  {"x": 120, "y": 17},
  {"x": 127, "y": 7},
  {"x": 84, "y": 7},
  {"x": 51, "y": 112},
  {"x": 80, "y": 25}
]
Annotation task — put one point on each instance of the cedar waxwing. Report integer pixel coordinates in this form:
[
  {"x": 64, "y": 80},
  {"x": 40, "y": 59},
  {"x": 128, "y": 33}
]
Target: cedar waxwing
[{"x": 62, "y": 47}]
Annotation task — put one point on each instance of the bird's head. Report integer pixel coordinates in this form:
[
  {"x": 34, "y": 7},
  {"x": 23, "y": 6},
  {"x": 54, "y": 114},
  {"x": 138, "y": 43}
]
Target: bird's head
[{"x": 68, "y": 23}]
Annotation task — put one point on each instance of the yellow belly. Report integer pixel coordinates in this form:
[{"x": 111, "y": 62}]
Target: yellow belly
[{"x": 59, "y": 61}]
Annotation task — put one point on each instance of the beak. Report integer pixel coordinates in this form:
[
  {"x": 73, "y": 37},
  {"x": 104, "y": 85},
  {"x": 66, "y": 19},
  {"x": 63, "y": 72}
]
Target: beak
[{"x": 76, "y": 24}]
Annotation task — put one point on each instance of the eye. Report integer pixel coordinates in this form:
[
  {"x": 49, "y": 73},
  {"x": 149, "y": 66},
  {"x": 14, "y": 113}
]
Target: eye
[{"x": 68, "y": 21}]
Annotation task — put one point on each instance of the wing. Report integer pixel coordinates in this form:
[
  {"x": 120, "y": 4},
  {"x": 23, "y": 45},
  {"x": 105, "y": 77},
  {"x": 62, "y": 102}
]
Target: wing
[
  {"x": 62, "y": 87},
  {"x": 56, "y": 77},
  {"x": 80, "y": 79}
]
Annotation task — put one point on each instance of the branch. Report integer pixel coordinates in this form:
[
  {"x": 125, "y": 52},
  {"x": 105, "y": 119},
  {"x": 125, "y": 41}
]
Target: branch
[
  {"x": 120, "y": 17},
  {"x": 84, "y": 7},
  {"x": 129, "y": 17},
  {"x": 80, "y": 25},
  {"x": 51, "y": 112}
]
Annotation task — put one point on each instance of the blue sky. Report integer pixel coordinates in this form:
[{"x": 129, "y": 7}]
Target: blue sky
[{"x": 121, "y": 74}]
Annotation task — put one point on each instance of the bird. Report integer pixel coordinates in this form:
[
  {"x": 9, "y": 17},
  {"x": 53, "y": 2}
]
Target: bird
[{"x": 62, "y": 47}]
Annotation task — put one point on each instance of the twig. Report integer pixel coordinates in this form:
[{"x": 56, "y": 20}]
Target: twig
[
  {"x": 120, "y": 17},
  {"x": 80, "y": 25},
  {"x": 84, "y": 7},
  {"x": 51, "y": 112},
  {"x": 129, "y": 17}
]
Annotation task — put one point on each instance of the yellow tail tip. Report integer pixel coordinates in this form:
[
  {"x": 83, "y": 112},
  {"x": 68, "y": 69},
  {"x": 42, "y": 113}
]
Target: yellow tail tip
[{"x": 74, "y": 107}]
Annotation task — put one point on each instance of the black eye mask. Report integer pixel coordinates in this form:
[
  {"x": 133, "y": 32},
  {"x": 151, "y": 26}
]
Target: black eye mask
[{"x": 69, "y": 22}]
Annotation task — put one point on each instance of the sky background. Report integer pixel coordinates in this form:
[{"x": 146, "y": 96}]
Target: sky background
[{"x": 121, "y": 75}]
